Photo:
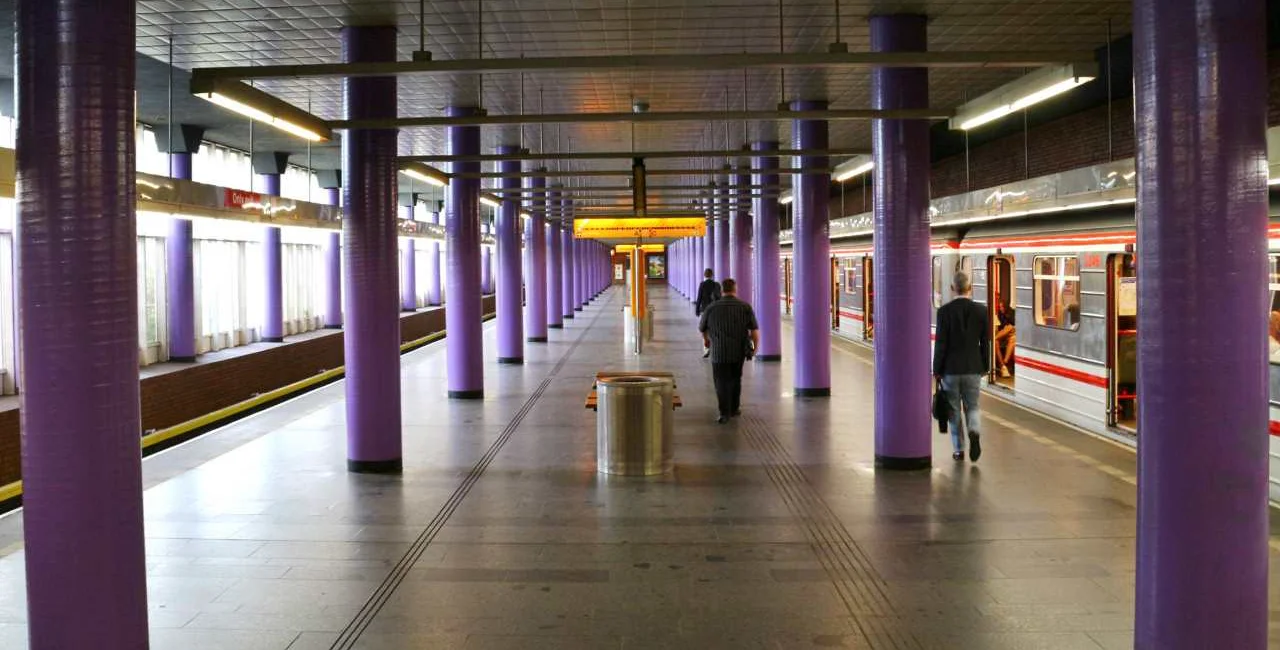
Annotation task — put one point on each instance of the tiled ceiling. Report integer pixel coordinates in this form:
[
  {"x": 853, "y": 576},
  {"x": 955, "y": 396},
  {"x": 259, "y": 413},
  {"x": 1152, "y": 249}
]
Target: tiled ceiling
[{"x": 212, "y": 33}]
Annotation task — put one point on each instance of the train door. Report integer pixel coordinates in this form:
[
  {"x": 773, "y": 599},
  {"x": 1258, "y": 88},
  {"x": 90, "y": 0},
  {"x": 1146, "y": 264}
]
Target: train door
[
  {"x": 1001, "y": 315},
  {"x": 1122, "y": 342},
  {"x": 868, "y": 300},
  {"x": 835, "y": 293},
  {"x": 786, "y": 285}
]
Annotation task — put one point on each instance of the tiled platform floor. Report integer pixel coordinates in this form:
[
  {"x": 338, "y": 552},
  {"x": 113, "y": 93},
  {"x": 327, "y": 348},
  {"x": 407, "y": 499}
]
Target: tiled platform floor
[{"x": 773, "y": 531}]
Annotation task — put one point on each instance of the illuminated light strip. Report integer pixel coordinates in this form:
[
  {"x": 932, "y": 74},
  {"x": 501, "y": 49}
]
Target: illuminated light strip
[
  {"x": 416, "y": 174},
  {"x": 262, "y": 116},
  {"x": 14, "y": 490},
  {"x": 1121, "y": 238}
]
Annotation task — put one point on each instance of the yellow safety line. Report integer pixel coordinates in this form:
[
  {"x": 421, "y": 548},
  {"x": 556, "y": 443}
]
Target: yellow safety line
[{"x": 13, "y": 490}]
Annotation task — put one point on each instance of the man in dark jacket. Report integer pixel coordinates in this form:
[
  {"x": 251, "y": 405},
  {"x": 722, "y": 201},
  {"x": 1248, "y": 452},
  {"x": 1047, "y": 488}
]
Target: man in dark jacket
[
  {"x": 961, "y": 356},
  {"x": 708, "y": 292},
  {"x": 730, "y": 332}
]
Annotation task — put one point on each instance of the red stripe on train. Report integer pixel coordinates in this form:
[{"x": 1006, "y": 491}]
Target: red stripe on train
[
  {"x": 1275, "y": 428},
  {"x": 1068, "y": 373}
]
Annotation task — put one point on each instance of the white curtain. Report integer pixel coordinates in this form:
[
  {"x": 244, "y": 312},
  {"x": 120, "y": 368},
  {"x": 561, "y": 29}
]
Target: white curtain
[
  {"x": 303, "y": 277},
  {"x": 223, "y": 302},
  {"x": 153, "y": 322}
]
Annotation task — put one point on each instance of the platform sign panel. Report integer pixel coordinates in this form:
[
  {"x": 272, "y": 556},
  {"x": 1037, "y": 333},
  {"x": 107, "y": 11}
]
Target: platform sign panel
[{"x": 639, "y": 228}]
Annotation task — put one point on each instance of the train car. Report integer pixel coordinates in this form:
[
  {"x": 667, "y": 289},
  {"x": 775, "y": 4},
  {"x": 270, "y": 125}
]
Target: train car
[{"x": 1061, "y": 295}]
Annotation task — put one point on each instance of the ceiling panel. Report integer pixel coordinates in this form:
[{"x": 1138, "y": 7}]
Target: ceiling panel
[{"x": 209, "y": 33}]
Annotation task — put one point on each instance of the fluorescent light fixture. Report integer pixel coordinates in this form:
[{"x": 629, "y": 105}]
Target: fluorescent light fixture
[
  {"x": 1273, "y": 181},
  {"x": 1020, "y": 93},
  {"x": 261, "y": 107},
  {"x": 786, "y": 198},
  {"x": 425, "y": 173},
  {"x": 852, "y": 168},
  {"x": 490, "y": 201}
]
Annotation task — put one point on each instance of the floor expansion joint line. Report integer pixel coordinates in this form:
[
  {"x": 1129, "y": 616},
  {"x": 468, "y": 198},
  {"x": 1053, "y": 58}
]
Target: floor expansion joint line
[
  {"x": 352, "y": 632},
  {"x": 860, "y": 587}
]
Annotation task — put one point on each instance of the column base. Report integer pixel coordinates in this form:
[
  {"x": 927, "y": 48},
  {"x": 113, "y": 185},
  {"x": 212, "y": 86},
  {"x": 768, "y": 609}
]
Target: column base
[
  {"x": 769, "y": 357},
  {"x": 577, "y": 309},
  {"x": 182, "y": 359},
  {"x": 393, "y": 466},
  {"x": 569, "y": 315},
  {"x": 813, "y": 392},
  {"x": 466, "y": 394},
  {"x": 273, "y": 339},
  {"x": 408, "y": 310},
  {"x": 333, "y": 327},
  {"x": 903, "y": 464},
  {"x": 555, "y": 326},
  {"x": 515, "y": 361},
  {"x": 536, "y": 339}
]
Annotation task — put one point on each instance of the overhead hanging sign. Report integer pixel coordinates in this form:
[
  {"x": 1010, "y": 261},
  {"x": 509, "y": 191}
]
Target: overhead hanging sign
[{"x": 640, "y": 228}]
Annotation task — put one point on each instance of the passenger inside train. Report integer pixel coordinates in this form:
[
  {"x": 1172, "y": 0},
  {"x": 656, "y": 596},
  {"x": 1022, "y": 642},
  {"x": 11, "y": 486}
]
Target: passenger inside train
[{"x": 1005, "y": 340}]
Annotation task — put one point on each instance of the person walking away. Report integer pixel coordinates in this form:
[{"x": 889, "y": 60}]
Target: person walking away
[
  {"x": 730, "y": 332},
  {"x": 708, "y": 292},
  {"x": 961, "y": 356}
]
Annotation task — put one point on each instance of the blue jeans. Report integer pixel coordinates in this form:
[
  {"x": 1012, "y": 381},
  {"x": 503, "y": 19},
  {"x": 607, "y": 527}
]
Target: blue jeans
[{"x": 963, "y": 390}]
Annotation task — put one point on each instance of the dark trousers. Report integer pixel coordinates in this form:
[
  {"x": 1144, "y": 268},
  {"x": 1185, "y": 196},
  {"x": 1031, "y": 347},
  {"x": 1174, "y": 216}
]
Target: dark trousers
[{"x": 728, "y": 378}]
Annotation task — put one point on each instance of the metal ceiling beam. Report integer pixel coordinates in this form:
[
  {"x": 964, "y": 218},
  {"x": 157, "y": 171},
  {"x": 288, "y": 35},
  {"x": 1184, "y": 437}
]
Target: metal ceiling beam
[
  {"x": 594, "y": 173},
  {"x": 590, "y": 189},
  {"x": 688, "y": 61},
  {"x": 672, "y": 116},
  {"x": 628, "y": 155}
]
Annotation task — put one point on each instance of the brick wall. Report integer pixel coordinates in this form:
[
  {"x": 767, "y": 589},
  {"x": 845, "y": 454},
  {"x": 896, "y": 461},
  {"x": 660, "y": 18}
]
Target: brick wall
[
  {"x": 1077, "y": 140},
  {"x": 1070, "y": 142},
  {"x": 182, "y": 395}
]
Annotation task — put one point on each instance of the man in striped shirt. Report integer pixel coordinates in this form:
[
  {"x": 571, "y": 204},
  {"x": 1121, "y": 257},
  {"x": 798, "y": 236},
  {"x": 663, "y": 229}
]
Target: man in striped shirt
[{"x": 729, "y": 329}]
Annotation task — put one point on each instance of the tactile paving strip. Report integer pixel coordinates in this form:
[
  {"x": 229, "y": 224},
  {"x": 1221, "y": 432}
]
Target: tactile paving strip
[
  {"x": 860, "y": 587},
  {"x": 351, "y": 633}
]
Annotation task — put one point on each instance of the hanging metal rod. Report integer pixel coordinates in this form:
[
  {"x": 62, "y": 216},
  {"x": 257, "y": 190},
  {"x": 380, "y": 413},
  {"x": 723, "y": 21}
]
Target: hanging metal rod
[
  {"x": 672, "y": 116},
  {"x": 651, "y": 172},
  {"x": 628, "y": 155},
  {"x": 690, "y": 61}
]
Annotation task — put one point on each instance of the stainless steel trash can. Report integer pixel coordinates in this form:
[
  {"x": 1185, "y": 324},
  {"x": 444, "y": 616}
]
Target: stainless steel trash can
[{"x": 634, "y": 422}]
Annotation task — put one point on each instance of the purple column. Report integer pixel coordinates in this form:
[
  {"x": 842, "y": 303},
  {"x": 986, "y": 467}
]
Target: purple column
[
  {"x": 579, "y": 272},
  {"x": 78, "y": 325},
  {"x": 433, "y": 268},
  {"x": 486, "y": 270},
  {"x": 723, "y": 213},
  {"x": 566, "y": 261},
  {"x": 535, "y": 311},
  {"x": 709, "y": 239},
  {"x": 510, "y": 284},
  {"x": 767, "y": 254},
  {"x": 812, "y": 263},
  {"x": 369, "y": 234},
  {"x": 273, "y": 311},
  {"x": 902, "y": 278},
  {"x": 332, "y": 195},
  {"x": 555, "y": 267},
  {"x": 180, "y": 275},
  {"x": 267, "y": 184},
  {"x": 408, "y": 283},
  {"x": 333, "y": 281},
  {"x": 740, "y": 236},
  {"x": 463, "y": 311},
  {"x": 1200, "y": 70},
  {"x": 180, "y": 165}
]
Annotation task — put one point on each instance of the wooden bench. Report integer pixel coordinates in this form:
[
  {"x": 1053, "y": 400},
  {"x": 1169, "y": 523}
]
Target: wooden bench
[{"x": 593, "y": 396}]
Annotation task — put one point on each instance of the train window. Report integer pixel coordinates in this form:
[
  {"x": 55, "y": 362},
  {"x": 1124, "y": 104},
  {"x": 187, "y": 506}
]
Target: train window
[
  {"x": 937, "y": 282},
  {"x": 850, "y": 277},
  {"x": 1057, "y": 291}
]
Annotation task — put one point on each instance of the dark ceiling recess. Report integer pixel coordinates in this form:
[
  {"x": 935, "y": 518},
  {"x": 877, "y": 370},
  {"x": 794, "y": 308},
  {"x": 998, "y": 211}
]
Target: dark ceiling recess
[{"x": 946, "y": 142}]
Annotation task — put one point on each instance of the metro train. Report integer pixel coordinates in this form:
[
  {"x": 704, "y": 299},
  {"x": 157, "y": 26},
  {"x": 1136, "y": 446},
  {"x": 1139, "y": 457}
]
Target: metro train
[{"x": 1061, "y": 295}]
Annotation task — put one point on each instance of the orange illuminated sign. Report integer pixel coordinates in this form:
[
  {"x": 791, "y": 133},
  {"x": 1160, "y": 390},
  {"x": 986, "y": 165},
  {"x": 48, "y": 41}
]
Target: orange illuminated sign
[{"x": 639, "y": 228}]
